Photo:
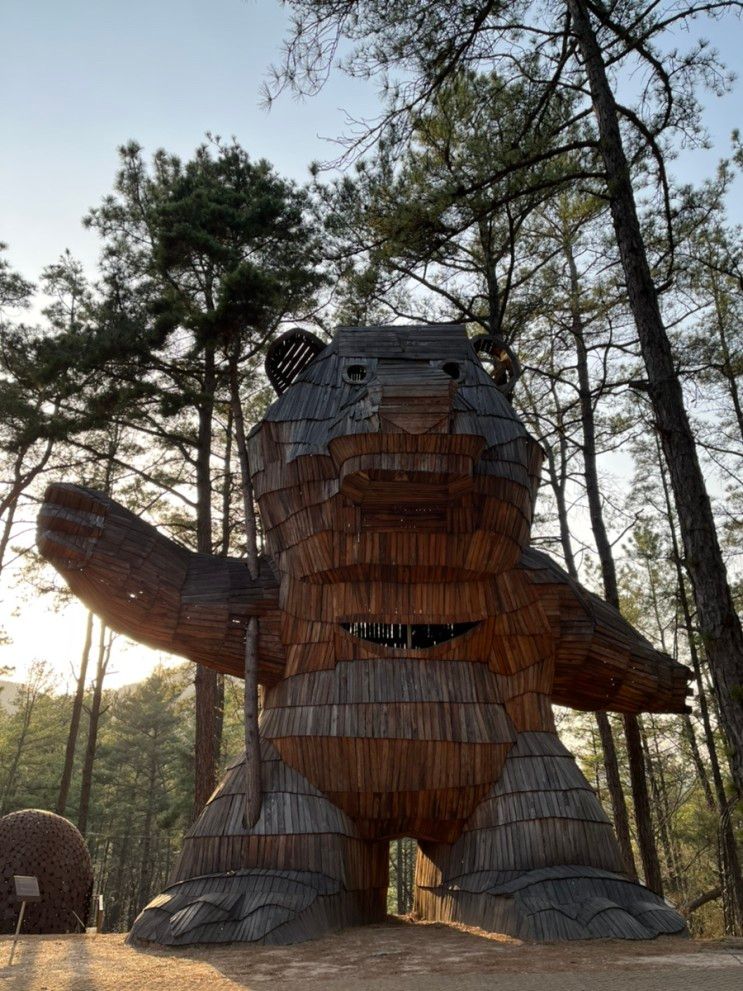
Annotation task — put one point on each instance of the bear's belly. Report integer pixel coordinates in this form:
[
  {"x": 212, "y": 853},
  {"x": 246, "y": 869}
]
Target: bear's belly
[{"x": 404, "y": 747}]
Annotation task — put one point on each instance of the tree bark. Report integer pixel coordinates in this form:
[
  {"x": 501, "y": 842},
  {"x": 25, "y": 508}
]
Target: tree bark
[
  {"x": 691, "y": 739},
  {"x": 719, "y": 625},
  {"x": 611, "y": 591},
  {"x": 727, "y": 369},
  {"x": 77, "y": 708},
  {"x": 616, "y": 793},
  {"x": 224, "y": 552},
  {"x": 657, "y": 782},
  {"x": 227, "y": 485},
  {"x": 399, "y": 877},
  {"x": 145, "y": 867},
  {"x": 731, "y": 881},
  {"x": 641, "y": 799},
  {"x": 21, "y": 480},
  {"x": 206, "y": 745},
  {"x": 7, "y": 529},
  {"x": 558, "y": 479},
  {"x": 253, "y": 785},
  {"x": 697, "y": 903},
  {"x": 123, "y": 848},
  {"x": 104, "y": 653}
]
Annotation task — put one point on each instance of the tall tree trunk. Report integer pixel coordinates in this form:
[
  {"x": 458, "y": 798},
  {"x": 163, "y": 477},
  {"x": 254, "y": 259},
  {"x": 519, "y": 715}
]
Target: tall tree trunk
[
  {"x": 224, "y": 552},
  {"x": 731, "y": 881},
  {"x": 558, "y": 488},
  {"x": 204, "y": 454},
  {"x": 648, "y": 852},
  {"x": 102, "y": 867},
  {"x": 7, "y": 529},
  {"x": 728, "y": 368},
  {"x": 253, "y": 785},
  {"x": 77, "y": 708},
  {"x": 218, "y": 717},
  {"x": 689, "y": 732},
  {"x": 558, "y": 479},
  {"x": 124, "y": 848},
  {"x": 145, "y": 867},
  {"x": 399, "y": 877},
  {"x": 495, "y": 310},
  {"x": 679, "y": 875},
  {"x": 206, "y": 745},
  {"x": 641, "y": 799},
  {"x": 227, "y": 485},
  {"x": 104, "y": 653},
  {"x": 656, "y": 779},
  {"x": 21, "y": 480},
  {"x": 718, "y": 622},
  {"x": 616, "y": 793}
]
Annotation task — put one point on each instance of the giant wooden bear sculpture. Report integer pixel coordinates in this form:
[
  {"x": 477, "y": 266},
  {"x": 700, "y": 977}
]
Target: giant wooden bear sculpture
[{"x": 410, "y": 644}]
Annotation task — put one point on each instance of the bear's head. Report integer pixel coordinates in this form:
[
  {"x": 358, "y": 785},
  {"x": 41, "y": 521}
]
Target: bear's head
[{"x": 391, "y": 454}]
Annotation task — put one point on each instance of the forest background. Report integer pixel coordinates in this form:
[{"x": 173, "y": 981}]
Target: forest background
[{"x": 469, "y": 186}]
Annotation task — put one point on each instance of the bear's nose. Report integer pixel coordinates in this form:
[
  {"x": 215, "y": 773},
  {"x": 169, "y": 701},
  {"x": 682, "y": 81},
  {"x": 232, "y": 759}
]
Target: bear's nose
[
  {"x": 412, "y": 458},
  {"x": 414, "y": 397}
]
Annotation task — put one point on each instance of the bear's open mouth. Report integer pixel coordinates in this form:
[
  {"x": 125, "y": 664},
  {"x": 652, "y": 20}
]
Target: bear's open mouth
[{"x": 407, "y": 636}]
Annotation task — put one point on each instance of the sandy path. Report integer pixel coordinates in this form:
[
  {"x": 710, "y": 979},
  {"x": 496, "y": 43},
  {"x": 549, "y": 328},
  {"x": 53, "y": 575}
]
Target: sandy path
[{"x": 392, "y": 957}]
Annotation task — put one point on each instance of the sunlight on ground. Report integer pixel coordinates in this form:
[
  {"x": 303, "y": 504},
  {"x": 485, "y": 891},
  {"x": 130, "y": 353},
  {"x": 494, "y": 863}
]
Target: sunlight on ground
[{"x": 399, "y": 954}]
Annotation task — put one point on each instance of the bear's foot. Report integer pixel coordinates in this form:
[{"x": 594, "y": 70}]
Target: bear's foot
[
  {"x": 252, "y": 906},
  {"x": 551, "y": 903}
]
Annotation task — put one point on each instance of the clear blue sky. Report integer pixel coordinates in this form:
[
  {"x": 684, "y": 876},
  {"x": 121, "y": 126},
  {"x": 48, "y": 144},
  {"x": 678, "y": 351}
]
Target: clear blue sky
[{"x": 79, "y": 77}]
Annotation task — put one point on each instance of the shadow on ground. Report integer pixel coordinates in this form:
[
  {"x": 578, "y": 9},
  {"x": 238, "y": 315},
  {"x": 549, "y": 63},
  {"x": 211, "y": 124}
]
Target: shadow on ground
[
  {"x": 388, "y": 957},
  {"x": 435, "y": 957}
]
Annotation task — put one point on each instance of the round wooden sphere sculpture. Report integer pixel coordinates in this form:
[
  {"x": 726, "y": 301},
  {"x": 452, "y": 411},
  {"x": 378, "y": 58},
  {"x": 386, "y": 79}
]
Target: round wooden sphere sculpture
[{"x": 52, "y": 849}]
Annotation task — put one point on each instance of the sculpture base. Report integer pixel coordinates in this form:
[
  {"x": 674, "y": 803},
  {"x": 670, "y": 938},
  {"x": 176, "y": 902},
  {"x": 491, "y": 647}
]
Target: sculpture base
[
  {"x": 550, "y": 904},
  {"x": 255, "y": 906}
]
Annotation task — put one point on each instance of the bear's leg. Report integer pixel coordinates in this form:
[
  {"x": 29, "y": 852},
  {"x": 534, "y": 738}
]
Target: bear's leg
[
  {"x": 300, "y": 871},
  {"x": 538, "y": 860}
]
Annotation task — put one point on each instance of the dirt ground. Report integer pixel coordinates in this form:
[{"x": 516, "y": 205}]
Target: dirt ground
[{"x": 398, "y": 956}]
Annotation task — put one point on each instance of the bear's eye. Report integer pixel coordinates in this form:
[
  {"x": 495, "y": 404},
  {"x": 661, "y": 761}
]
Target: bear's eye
[{"x": 355, "y": 373}]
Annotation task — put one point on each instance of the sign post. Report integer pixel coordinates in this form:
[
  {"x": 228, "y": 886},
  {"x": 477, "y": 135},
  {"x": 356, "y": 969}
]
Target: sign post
[{"x": 26, "y": 890}]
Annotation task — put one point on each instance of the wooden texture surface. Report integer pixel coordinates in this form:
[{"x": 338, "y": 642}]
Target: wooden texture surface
[
  {"x": 411, "y": 644},
  {"x": 50, "y": 848}
]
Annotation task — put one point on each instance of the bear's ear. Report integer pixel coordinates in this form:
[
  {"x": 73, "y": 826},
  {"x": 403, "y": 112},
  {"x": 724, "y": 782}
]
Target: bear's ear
[
  {"x": 289, "y": 355},
  {"x": 499, "y": 360}
]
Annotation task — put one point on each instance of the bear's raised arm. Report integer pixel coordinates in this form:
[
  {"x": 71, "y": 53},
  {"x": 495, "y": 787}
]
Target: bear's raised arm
[
  {"x": 153, "y": 590},
  {"x": 602, "y": 661}
]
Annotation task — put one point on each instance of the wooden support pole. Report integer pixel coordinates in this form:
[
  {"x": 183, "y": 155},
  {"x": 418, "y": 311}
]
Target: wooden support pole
[
  {"x": 17, "y": 930},
  {"x": 253, "y": 789}
]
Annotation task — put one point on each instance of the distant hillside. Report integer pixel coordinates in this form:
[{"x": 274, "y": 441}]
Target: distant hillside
[
  {"x": 8, "y": 694},
  {"x": 9, "y": 690}
]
